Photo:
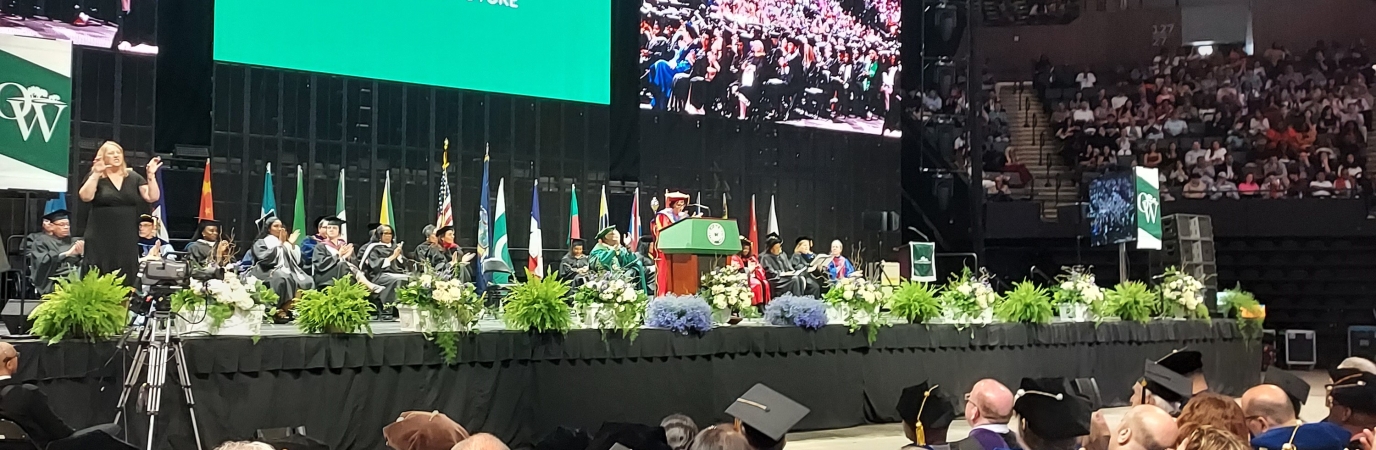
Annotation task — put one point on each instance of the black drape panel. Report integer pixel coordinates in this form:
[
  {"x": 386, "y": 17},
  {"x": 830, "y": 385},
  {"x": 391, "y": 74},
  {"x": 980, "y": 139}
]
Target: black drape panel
[
  {"x": 625, "y": 99},
  {"x": 185, "y": 67},
  {"x": 520, "y": 386}
]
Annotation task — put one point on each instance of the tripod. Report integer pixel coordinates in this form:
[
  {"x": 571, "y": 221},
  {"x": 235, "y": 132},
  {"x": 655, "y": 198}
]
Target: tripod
[{"x": 157, "y": 345}]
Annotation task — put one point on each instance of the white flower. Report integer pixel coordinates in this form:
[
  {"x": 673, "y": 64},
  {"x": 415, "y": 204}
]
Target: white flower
[
  {"x": 427, "y": 280},
  {"x": 606, "y": 296},
  {"x": 848, "y": 295},
  {"x": 628, "y": 296},
  {"x": 965, "y": 290},
  {"x": 717, "y": 289}
]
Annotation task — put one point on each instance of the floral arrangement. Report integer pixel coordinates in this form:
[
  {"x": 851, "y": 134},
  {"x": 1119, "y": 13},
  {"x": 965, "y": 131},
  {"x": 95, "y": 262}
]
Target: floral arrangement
[
  {"x": 686, "y": 314},
  {"x": 1183, "y": 293},
  {"x": 854, "y": 295},
  {"x": 221, "y": 298},
  {"x": 449, "y": 302},
  {"x": 1244, "y": 306},
  {"x": 1076, "y": 285},
  {"x": 802, "y": 312},
  {"x": 916, "y": 302},
  {"x": 621, "y": 304},
  {"x": 89, "y": 306},
  {"x": 1026, "y": 303},
  {"x": 725, "y": 288},
  {"x": 967, "y": 296}
]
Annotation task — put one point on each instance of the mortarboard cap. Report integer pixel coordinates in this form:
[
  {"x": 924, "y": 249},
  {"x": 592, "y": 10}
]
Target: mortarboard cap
[
  {"x": 373, "y": 225},
  {"x": 330, "y": 220},
  {"x": 772, "y": 238},
  {"x": 573, "y": 242},
  {"x": 1294, "y": 387},
  {"x": 800, "y": 239},
  {"x": 145, "y": 218},
  {"x": 444, "y": 229},
  {"x": 1338, "y": 374},
  {"x": 1049, "y": 411},
  {"x": 672, "y": 197},
  {"x": 57, "y": 214},
  {"x": 767, "y": 411},
  {"x": 565, "y": 438},
  {"x": 603, "y": 232},
  {"x": 1356, "y": 391},
  {"x": 925, "y": 408},
  {"x": 1184, "y": 362},
  {"x": 629, "y": 435},
  {"x": 1166, "y": 383},
  {"x": 207, "y": 223}
]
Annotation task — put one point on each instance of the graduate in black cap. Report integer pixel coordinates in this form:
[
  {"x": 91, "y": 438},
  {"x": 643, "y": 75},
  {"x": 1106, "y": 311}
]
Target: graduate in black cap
[
  {"x": 327, "y": 253},
  {"x": 1163, "y": 388},
  {"x": 764, "y": 416},
  {"x": 52, "y": 252},
  {"x": 277, "y": 262},
  {"x": 784, "y": 276},
  {"x": 1271, "y": 410},
  {"x": 1189, "y": 363},
  {"x": 1296, "y": 390},
  {"x": 802, "y": 252},
  {"x": 575, "y": 267},
  {"x": 1352, "y": 402},
  {"x": 209, "y": 253},
  {"x": 1049, "y": 418},
  {"x": 926, "y": 417}
]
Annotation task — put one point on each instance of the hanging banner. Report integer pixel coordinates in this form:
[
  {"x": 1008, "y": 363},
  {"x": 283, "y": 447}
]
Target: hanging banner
[
  {"x": 923, "y": 256},
  {"x": 1148, "y": 208},
  {"x": 35, "y": 113}
]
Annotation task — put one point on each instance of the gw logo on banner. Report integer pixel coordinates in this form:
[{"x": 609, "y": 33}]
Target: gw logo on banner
[
  {"x": 1149, "y": 206},
  {"x": 35, "y": 113},
  {"x": 31, "y": 106}
]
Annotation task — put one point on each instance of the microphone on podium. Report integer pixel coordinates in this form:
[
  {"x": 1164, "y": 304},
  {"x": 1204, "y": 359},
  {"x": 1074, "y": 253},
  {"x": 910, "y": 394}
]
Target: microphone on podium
[{"x": 700, "y": 207}]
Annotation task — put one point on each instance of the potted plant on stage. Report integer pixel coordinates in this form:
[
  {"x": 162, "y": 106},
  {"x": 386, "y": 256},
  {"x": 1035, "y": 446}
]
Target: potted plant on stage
[
  {"x": 969, "y": 298},
  {"x": 793, "y": 311},
  {"x": 1130, "y": 300},
  {"x": 225, "y": 307},
  {"x": 728, "y": 291},
  {"x": 683, "y": 314},
  {"x": 1244, "y": 307},
  {"x": 84, "y": 307},
  {"x": 1026, "y": 303},
  {"x": 538, "y": 306},
  {"x": 1182, "y": 296},
  {"x": 1077, "y": 296},
  {"x": 439, "y": 308},
  {"x": 856, "y": 302},
  {"x": 611, "y": 301},
  {"x": 916, "y": 302},
  {"x": 341, "y": 308}
]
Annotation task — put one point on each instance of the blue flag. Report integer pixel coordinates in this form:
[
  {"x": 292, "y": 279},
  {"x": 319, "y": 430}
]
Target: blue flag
[{"x": 483, "y": 231}]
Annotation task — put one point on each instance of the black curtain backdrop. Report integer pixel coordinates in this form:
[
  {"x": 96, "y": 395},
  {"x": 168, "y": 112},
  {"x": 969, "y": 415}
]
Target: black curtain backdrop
[
  {"x": 625, "y": 80},
  {"x": 822, "y": 180},
  {"x": 521, "y": 386},
  {"x": 184, "y": 65}
]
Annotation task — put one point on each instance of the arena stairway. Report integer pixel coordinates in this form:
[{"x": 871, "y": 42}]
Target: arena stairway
[{"x": 1035, "y": 146}]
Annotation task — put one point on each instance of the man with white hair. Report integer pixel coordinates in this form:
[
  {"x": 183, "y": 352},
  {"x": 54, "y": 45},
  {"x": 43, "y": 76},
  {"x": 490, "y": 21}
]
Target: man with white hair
[
  {"x": 838, "y": 266},
  {"x": 988, "y": 407}
]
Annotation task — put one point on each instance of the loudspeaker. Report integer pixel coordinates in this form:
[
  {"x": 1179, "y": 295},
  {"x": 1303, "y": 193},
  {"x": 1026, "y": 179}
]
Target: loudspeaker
[
  {"x": 1361, "y": 341},
  {"x": 1187, "y": 243},
  {"x": 1300, "y": 348},
  {"x": 15, "y": 315},
  {"x": 879, "y": 220}
]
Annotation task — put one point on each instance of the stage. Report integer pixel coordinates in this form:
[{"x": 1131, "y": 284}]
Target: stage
[{"x": 520, "y": 386}]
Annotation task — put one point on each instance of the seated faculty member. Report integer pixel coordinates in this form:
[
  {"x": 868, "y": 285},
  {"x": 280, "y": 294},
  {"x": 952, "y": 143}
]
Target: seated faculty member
[
  {"x": 208, "y": 254},
  {"x": 1049, "y": 418},
  {"x": 575, "y": 267},
  {"x": 384, "y": 265},
  {"x": 988, "y": 410},
  {"x": 610, "y": 255},
  {"x": 327, "y": 252},
  {"x": 926, "y": 417},
  {"x": 151, "y": 246},
  {"x": 838, "y": 266},
  {"x": 784, "y": 277},
  {"x": 52, "y": 252},
  {"x": 277, "y": 262}
]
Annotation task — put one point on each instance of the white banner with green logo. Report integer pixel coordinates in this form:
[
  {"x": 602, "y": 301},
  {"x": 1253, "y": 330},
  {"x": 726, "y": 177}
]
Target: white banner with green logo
[
  {"x": 35, "y": 113},
  {"x": 924, "y": 261},
  {"x": 1148, "y": 208}
]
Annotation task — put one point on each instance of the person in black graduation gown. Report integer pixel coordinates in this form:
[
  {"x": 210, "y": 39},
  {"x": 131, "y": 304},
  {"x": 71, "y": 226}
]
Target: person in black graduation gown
[
  {"x": 52, "y": 252},
  {"x": 384, "y": 265},
  {"x": 575, "y": 267},
  {"x": 642, "y": 252},
  {"x": 208, "y": 254},
  {"x": 440, "y": 251},
  {"x": 151, "y": 247},
  {"x": 784, "y": 277},
  {"x": 277, "y": 261},
  {"x": 432, "y": 254},
  {"x": 327, "y": 252},
  {"x": 926, "y": 417}
]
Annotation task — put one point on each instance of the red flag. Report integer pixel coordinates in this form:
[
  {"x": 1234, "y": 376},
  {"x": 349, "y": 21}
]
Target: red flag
[
  {"x": 754, "y": 232},
  {"x": 207, "y": 200}
]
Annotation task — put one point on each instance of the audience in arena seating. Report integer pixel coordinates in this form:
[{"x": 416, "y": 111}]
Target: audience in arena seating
[{"x": 1273, "y": 126}]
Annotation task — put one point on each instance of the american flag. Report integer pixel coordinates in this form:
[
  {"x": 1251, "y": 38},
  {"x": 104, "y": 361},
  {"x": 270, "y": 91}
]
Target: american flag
[{"x": 446, "y": 211}]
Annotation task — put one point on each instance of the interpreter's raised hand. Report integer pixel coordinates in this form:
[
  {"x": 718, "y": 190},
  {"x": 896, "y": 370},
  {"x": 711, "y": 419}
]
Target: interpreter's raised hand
[
  {"x": 98, "y": 166},
  {"x": 154, "y": 165}
]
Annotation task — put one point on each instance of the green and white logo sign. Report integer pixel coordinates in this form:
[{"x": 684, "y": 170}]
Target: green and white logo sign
[
  {"x": 924, "y": 261},
  {"x": 35, "y": 113},
  {"x": 1148, "y": 208}
]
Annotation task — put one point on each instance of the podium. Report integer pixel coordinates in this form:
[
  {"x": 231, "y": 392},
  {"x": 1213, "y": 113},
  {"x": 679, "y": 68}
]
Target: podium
[{"x": 687, "y": 239}]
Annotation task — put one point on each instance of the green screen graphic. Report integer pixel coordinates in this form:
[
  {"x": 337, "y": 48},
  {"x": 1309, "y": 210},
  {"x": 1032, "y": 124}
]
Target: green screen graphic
[{"x": 557, "y": 49}]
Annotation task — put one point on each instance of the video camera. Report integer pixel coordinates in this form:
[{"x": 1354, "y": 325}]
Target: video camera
[{"x": 163, "y": 277}]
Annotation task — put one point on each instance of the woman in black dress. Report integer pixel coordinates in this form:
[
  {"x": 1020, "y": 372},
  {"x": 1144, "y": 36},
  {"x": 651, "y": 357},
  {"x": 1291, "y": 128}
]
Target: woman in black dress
[{"x": 117, "y": 195}]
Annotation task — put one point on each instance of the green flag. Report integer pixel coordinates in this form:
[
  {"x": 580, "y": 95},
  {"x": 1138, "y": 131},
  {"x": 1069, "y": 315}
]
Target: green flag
[
  {"x": 499, "y": 241},
  {"x": 35, "y": 118},
  {"x": 298, "y": 215},
  {"x": 1148, "y": 204},
  {"x": 385, "y": 215}
]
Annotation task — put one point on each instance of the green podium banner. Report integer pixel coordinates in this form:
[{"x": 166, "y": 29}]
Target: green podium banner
[
  {"x": 923, "y": 256},
  {"x": 35, "y": 113},
  {"x": 700, "y": 236}
]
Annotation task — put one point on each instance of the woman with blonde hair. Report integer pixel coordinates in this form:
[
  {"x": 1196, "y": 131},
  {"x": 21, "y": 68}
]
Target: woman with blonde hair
[{"x": 117, "y": 195}]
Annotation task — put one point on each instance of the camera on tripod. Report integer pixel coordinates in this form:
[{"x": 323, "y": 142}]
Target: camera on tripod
[{"x": 163, "y": 278}]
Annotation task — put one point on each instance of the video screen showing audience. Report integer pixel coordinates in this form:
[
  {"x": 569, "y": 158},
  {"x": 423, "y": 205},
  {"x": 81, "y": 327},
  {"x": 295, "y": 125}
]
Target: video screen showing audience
[
  {"x": 1113, "y": 215},
  {"x": 126, "y": 25},
  {"x": 830, "y": 64}
]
